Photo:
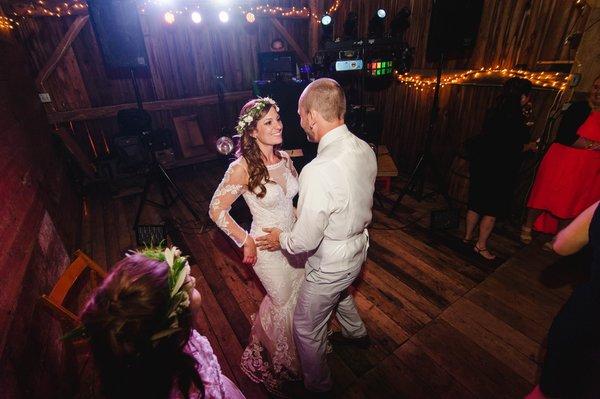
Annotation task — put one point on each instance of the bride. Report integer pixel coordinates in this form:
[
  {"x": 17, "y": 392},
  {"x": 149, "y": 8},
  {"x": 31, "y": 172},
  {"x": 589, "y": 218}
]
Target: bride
[{"x": 266, "y": 178}]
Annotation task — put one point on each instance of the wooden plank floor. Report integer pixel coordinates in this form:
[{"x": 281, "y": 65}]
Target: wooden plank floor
[{"x": 444, "y": 322}]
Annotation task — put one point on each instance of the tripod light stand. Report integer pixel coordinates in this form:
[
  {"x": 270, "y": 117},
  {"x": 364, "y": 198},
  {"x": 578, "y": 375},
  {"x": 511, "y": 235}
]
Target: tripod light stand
[
  {"x": 157, "y": 176},
  {"x": 426, "y": 160}
]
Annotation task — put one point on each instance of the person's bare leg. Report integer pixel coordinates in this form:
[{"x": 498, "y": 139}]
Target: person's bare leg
[
  {"x": 485, "y": 229},
  {"x": 532, "y": 215},
  {"x": 472, "y": 219},
  {"x": 562, "y": 223}
]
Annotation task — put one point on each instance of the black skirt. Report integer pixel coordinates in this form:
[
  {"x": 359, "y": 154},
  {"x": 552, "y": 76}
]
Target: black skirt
[{"x": 492, "y": 183}]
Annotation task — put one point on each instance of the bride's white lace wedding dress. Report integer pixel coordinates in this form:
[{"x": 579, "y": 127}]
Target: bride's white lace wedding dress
[{"x": 270, "y": 357}]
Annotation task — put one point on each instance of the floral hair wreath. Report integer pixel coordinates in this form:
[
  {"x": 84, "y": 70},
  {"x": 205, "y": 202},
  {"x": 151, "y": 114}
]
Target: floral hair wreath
[
  {"x": 248, "y": 117},
  {"x": 179, "y": 270}
]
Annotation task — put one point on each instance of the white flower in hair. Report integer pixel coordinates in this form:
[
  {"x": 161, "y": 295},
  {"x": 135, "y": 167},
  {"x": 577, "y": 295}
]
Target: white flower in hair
[
  {"x": 254, "y": 112},
  {"x": 179, "y": 270},
  {"x": 185, "y": 271},
  {"x": 170, "y": 255}
]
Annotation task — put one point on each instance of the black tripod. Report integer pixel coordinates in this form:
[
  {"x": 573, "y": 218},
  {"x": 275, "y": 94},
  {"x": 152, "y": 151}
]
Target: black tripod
[
  {"x": 416, "y": 181},
  {"x": 157, "y": 176}
]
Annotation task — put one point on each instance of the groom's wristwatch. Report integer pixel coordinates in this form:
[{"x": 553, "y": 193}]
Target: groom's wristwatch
[{"x": 297, "y": 152}]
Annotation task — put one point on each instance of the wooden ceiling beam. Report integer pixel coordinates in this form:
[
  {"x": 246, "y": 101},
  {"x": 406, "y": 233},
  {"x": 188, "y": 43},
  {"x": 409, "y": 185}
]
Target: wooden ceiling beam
[
  {"x": 316, "y": 6},
  {"x": 162, "y": 105},
  {"x": 60, "y": 50},
  {"x": 281, "y": 29},
  {"x": 25, "y": 10}
]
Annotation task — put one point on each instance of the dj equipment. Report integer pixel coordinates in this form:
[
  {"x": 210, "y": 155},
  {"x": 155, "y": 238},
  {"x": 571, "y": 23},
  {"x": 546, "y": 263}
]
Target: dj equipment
[{"x": 277, "y": 65}]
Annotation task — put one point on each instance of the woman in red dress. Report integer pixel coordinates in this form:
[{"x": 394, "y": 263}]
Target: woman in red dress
[{"x": 568, "y": 179}]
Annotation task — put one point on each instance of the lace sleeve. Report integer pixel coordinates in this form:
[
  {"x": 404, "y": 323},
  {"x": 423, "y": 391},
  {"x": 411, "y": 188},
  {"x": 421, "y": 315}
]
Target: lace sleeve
[{"x": 231, "y": 187}]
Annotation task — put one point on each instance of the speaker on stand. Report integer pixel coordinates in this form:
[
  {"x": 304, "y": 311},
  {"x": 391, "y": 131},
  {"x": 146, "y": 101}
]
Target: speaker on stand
[
  {"x": 119, "y": 34},
  {"x": 453, "y": 31},
  {"x": 287, "y": 94}
]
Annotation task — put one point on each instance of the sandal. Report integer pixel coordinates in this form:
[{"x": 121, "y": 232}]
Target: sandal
[
  {"x": 484, "y": 253},
  {"x": 525, "y": 235},
  {"x": 467, "y": 241}
]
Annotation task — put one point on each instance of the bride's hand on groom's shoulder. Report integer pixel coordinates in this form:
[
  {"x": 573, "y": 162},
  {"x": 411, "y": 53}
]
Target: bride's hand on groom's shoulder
[
  {"x": 249, "y": 252},
  {"x": 269, "y": 242}
]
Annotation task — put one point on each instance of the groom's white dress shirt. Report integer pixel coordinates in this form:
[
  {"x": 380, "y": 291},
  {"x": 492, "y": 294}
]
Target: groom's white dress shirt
[{"x": 334, "y": 207}]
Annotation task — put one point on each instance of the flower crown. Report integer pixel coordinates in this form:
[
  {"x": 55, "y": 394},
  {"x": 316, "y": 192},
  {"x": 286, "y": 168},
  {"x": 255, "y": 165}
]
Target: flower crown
[
  {"x": 248, "y": 117},
  {"x": 179, "y": 270}
]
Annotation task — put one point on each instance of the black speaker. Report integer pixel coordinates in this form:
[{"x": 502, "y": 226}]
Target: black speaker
[
  {"x": 366, "y": 123},
  {"x": 287, "y": 95},
  {"x": 119, "y": 33},
  {"x": 133, "y": 121},
  {"x": 453, "y": 28}
]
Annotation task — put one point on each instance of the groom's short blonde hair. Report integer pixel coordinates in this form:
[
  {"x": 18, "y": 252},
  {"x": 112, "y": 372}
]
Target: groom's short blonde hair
[{"x": 326, "y": 97}]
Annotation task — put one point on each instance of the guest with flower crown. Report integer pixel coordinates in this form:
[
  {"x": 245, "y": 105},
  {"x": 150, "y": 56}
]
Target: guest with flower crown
[{"x": 139, "y": 324}]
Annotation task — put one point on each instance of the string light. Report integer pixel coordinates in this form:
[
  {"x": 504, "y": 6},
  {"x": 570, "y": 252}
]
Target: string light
[
  {"x": 261, "y": 10},
  {"x": 68, "y": 7},
  {"x": 554, "y": 80},
  {"x": 7, "y": 23},
  {"x": 41, "y": 7}
]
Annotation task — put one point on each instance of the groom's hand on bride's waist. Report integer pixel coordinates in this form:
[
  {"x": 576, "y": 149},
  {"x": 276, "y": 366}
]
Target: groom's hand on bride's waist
[{"x": 269, "y": 242}]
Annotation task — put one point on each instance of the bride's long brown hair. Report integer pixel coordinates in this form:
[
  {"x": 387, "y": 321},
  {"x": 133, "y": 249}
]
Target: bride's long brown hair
[{"x": 248, "y": 148}]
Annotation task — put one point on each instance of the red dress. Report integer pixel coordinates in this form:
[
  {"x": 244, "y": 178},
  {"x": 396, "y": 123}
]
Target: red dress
[{"x": 568, "y": 179}]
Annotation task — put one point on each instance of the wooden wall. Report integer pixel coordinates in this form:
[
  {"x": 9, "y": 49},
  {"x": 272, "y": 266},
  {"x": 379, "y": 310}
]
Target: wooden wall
[
  {"x": 511, "y": 32},
  {"x": 39, "y": 226},
  {"x": 184, "y": 60}
]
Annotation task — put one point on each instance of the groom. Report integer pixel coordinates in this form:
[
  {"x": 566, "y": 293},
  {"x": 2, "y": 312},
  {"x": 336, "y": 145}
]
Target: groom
[{"x": 334, "y": 209}]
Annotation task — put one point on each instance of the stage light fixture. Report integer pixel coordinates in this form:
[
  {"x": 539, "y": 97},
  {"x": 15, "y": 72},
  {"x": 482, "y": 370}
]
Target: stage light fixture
[
  {"x": 327, "y": 28},
  {"x": 400, "y": 23},
  {"x": 196, "y": 17},
  {"x": 169, "y": 17},
  {"x": 381, "y": 13},
  {"x": 250, "y": 18},
  {"x": 224, "y": 16}
]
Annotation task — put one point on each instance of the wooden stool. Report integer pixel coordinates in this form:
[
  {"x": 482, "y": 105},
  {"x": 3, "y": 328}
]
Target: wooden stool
[{"x": 386, "y": 169}]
